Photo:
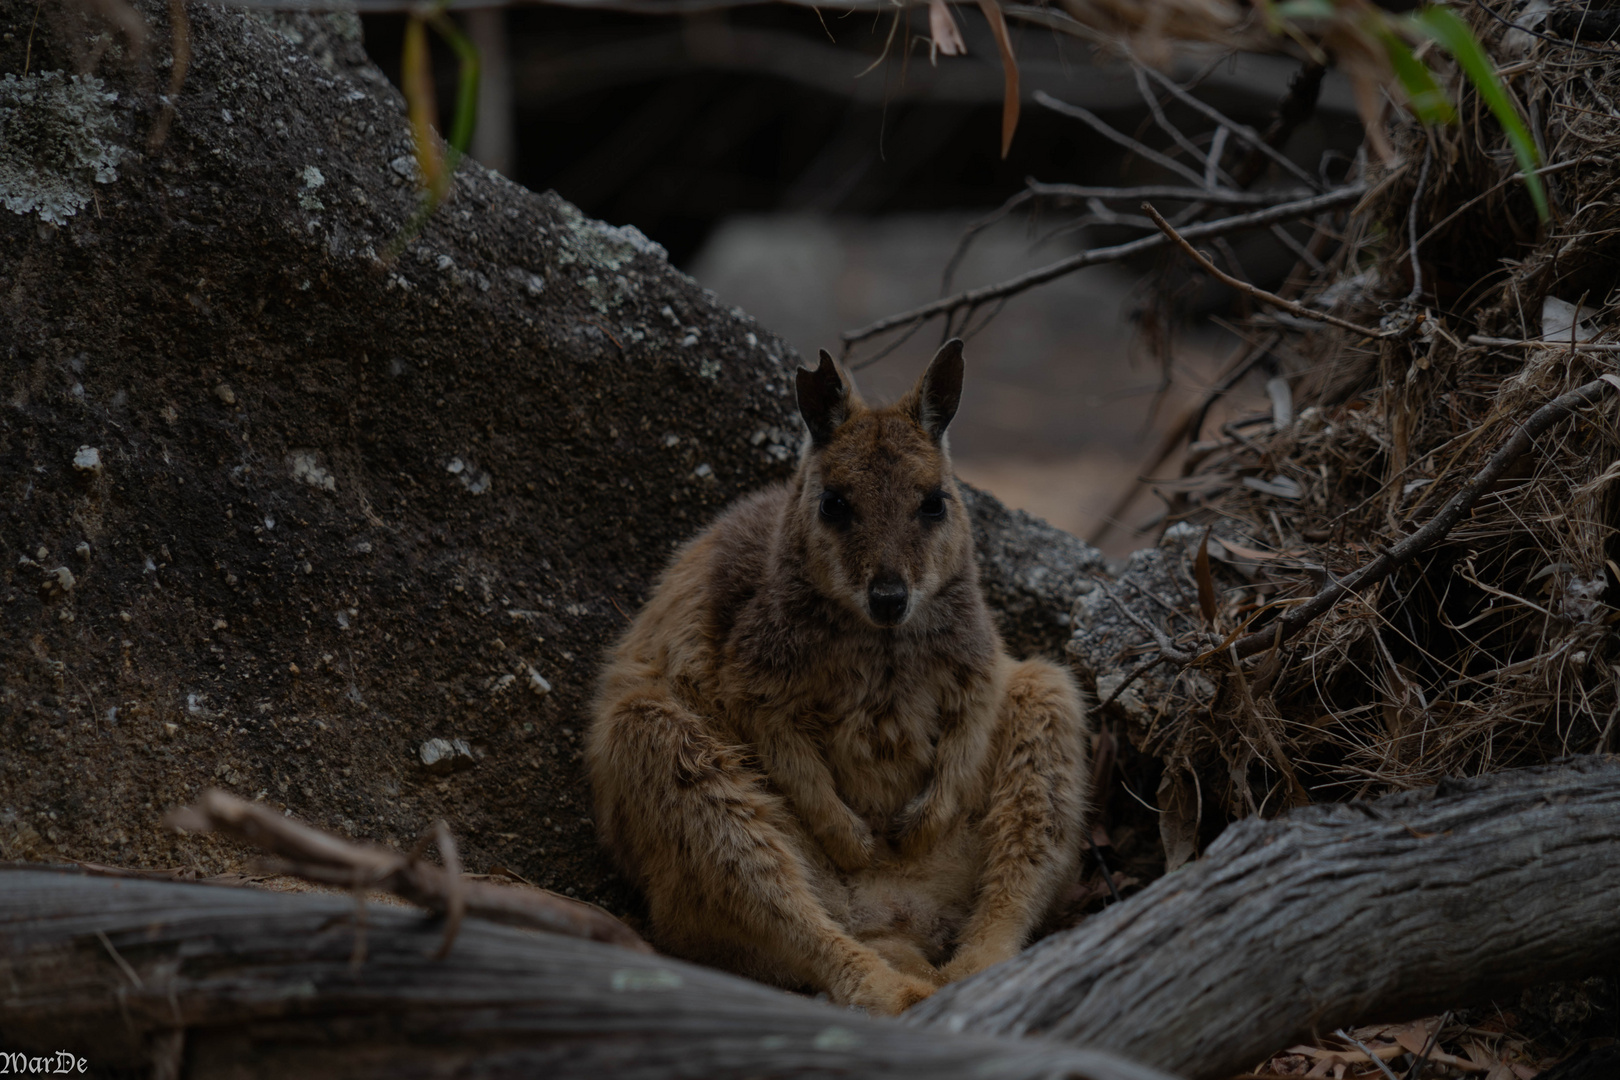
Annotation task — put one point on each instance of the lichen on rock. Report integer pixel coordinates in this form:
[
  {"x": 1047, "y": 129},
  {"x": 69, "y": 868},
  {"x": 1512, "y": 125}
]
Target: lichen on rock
[{"x": 56, "y": 139}]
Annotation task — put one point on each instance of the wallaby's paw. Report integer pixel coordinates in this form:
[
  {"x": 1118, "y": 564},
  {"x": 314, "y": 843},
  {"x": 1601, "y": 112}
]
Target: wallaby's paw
[
  {"x": 970, "y": 960},
  {"x": 850, "y": 844},
  {"x": 924, "y": 820},
  {"x": 885, "y": 991}
]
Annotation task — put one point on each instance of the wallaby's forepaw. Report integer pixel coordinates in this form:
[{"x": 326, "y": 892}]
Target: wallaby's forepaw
[
  {"x": 850, "y": 844},
  {"x": 972, "y": 959},
  {"x": 923, "y": 821},
  {"x": 885, "y": 991}
]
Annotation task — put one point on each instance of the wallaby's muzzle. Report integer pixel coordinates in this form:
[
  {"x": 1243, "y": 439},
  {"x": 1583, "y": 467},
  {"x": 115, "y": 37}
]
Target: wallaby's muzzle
[{"x": 887, "y": 598}]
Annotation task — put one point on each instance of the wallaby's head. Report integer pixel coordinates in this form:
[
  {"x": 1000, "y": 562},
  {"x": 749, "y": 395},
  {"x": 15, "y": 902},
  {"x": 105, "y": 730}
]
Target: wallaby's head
[{"x": 880, "y": 513}]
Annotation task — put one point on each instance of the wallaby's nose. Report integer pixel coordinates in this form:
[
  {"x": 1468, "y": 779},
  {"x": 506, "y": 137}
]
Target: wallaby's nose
[{"x": 886, "y": 598}]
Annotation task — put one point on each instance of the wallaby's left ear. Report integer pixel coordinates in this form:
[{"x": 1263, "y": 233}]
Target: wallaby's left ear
[{"x": 939, "y": 391}]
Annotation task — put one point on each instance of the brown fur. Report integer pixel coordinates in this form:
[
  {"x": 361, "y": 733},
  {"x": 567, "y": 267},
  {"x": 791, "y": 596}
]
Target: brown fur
[{"x": 807, "y": 794}]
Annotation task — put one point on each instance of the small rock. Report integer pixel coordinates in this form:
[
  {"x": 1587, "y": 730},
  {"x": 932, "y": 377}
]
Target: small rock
[
  {"x": 292, "y": 669},
  {"x": 64, "y": 578},
  {"x": 224, "y": 392},
  {"x": 170, "y": 728},
  {"x": 83, "y": 550},
  {"x": 42, "y": 553},
  {"x": 87, "y": 460},
  {"x": 445, "y": 755},
  {"x": 502, "y": 683},
  {"x": 538, "y": 684},
  {"x": 304, "y": 466}
]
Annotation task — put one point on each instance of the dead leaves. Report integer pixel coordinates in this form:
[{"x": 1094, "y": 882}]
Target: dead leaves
[
  {"x": 1489, "y": 1051},
  {"x": 1009, "y": 69}
]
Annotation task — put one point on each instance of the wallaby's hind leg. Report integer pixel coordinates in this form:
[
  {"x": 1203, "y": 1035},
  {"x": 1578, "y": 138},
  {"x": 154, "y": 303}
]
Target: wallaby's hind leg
[
  {"x": 724, "y": 868},
  {"x": 1031, "y": 829}
]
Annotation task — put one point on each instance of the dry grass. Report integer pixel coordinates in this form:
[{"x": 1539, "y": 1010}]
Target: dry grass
[{"x": 1496, "y": 647}]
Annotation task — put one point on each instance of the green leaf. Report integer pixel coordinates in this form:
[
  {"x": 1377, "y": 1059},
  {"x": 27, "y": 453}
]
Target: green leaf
[
  {"x": 461, "y": 129},
  {"x": 1453, "y": 34},
  {"x": 1428, "y": 100}
]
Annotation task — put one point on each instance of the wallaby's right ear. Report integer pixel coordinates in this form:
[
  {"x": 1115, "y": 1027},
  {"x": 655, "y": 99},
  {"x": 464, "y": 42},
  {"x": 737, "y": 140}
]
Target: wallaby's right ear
[{"x": 823, "y": 399}]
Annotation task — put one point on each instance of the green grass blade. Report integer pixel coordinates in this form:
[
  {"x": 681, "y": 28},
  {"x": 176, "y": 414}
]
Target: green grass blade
[
  {"x": 1453, "y": 35},
  {"x": 1428, "y": 100},
  {"x": 466, "y": 119}
]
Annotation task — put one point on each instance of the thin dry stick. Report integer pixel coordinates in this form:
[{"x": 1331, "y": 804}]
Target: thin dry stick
[
  {"x": 1411, "y": 225},
  {"x": 1215, "y": 196},
  {"x": 455, "y": 906},
  {"x": 1397, "y": 555},
  {"x": 1542, "y": 343},
  {"x": 1289, "y": 211},
  {"x": 1383, "y": 1066},
  {"x": 1101, "y": 127},
  {"x": 1244, "y": 133},
  {"x": 1253, "y": 290},
  {"x": 1213, "y": 173},
  {"x": 322, "y": 857}
]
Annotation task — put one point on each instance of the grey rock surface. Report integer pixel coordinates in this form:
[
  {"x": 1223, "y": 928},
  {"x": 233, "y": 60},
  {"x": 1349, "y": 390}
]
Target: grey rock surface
[{"x": 354, "y": 486}]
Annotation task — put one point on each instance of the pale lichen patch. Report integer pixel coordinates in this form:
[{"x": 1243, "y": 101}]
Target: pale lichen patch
[{"x": 56, "y": 139}]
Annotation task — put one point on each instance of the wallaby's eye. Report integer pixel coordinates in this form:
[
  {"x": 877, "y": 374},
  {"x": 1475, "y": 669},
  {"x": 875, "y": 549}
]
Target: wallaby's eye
[
  {"x": 834, "y": 510},
  {"x": 933, "y": 507}
]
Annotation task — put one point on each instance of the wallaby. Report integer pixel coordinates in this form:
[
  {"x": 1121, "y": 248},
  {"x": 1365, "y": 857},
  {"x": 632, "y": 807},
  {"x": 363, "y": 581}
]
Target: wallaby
[{"x": 811, "y": 748}]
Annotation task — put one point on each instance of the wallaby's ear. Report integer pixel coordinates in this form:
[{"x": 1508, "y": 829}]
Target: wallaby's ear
[
  {"x": 823, "y": 399},
  {"x": 939, "y": 391}
]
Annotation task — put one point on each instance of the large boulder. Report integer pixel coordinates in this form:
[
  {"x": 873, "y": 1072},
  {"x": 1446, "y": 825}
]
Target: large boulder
[{"x": 313, "y": 501}]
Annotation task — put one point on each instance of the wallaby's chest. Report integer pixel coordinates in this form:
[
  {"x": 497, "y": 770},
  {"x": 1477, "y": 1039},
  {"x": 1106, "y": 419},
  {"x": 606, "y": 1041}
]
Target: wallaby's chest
[{"x": 876, "y": 720}]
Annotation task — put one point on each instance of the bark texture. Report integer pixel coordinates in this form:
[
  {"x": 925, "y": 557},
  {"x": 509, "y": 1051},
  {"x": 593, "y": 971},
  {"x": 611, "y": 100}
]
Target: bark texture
[
  {"x": 1328, "y": 916},
  {"x": 210, "y": 981}
]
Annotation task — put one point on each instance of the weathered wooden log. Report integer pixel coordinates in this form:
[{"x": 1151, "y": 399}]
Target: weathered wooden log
[
  {"x": 213, "y": 981},
  {"x": 1378, "y": 910}
]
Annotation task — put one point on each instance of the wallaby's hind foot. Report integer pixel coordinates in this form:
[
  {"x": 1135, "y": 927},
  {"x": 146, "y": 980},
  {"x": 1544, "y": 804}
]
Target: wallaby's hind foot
[{"x": 887, "y": 992}]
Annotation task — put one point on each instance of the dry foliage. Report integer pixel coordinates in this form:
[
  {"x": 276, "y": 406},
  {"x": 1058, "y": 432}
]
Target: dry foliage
[{"x": 1495, "y": 647}]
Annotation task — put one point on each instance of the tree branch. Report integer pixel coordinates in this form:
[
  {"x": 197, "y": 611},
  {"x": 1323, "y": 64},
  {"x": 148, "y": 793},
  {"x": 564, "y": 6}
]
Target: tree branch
[
  {"x": 1469, "y": 889},
  {"x": 320, "y": 856},
  {"x": 1438, "y": 526},
  {"x": 1215, "y": 196},
  {"x": 1253, "y": 290},
  {"x": 1289, "y": 211},
  {"x": 264, "y": 984}
]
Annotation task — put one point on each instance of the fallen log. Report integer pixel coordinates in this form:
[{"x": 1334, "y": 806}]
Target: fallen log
[
  {"x": 1331, "y": 915},
  {"x": 212, "y": 981}
]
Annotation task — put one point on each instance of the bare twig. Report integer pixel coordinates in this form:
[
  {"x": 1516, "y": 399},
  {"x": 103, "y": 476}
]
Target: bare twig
[
  {"x": 1383, "y": 1066},
  {"x": 1252, "y": 290},
  {"x": 1257, "y": 219},
  {"x": 1412, "y": 223},
  {"x": 1141, "y": 669},
  {"x": 1543, "y": 343},
  {"x": 1215, "y": 196},
  {"x": 1243, "y": 132},
  {"x": 1416, "y": 1069},
  {"x": 455, "y": 887},
  {"x": 1135, "y": 146},
  {"x": 1213, "y": 173},
  {"x": 1217, "y": 150},
  {"x": 321, "y": 857},
  {"x": 1437, "y": 527}
]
